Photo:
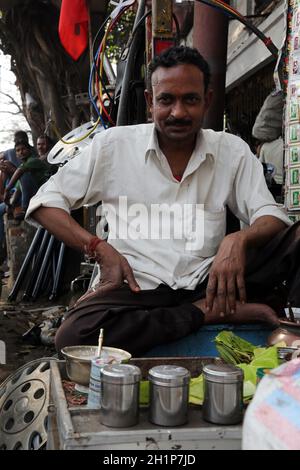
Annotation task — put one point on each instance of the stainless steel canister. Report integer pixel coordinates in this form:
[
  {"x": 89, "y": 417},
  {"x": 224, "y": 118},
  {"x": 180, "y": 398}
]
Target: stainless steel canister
[
  {"x": 223, "y": 394},
  {"x": 120, "y": 395},
  {"x": 169, "y": 395}
]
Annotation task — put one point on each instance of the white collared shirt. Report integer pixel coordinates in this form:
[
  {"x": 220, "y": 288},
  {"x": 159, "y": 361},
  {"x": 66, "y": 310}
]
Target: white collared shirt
[{"x": 151, "y": 216}]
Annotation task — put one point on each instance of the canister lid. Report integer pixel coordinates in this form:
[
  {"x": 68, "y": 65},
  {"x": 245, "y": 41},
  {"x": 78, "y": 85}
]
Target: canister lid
[
  {"x": 223, "y": 373},
  {"x": 169, "y": 375},
  {"x": 121, "y": 374}
]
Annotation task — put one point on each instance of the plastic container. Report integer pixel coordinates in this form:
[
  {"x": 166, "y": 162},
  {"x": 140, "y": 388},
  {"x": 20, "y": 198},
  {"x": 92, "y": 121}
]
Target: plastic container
[
  {"x": 261, "y": 372},
  {"x": 223, "y": 394},
  {"x": 120, "y": 395},
  {"x": 94, "y": 398},
  {"x": 169, "y": 395}
]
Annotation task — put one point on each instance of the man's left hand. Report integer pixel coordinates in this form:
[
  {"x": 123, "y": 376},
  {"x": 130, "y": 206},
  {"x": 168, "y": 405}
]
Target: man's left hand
[
  {"x": 226, "y": 277},
  {"x": 8, "y": 167}
]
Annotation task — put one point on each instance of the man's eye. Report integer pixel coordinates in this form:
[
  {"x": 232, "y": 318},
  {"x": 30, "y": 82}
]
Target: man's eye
[
  {"x": 192, "y": 100},
  {"x": 164, "y": 100}
]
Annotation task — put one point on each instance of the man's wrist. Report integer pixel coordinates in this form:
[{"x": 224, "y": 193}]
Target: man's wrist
[
  {"x": 240, "y": 236},
  {"x": 91, "y": 246}
]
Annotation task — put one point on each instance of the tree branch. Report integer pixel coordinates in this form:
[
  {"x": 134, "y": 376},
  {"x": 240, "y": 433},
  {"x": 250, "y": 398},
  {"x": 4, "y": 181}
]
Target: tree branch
[
  {"x": 13, "y": 101},
  {"x": 17, "y": 113}
]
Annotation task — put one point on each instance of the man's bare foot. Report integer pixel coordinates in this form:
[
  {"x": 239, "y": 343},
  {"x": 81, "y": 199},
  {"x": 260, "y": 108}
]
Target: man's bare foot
[{"x": 245, "y": 313}]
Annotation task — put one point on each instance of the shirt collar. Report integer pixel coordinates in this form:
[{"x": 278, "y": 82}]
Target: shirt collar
[
  {"x": 153, "y": 145},
  {"x": 201, "y": 151}
]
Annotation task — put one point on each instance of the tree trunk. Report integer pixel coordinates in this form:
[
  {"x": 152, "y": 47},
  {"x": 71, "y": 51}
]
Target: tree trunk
[{"x": 47, "y": 77}]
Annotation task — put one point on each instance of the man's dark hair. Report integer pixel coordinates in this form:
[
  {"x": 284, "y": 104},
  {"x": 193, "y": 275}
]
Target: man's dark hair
[
  {"x": 179, "y": 55},
  {"x": 20, "y": 136},
  {"x": 22, "y": 142},
  {"x": 45, "y": 137}
]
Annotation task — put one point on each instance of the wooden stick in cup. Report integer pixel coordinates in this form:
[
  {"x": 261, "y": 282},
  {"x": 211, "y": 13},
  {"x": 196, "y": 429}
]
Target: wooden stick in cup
[{"x": 100, "y": 342}]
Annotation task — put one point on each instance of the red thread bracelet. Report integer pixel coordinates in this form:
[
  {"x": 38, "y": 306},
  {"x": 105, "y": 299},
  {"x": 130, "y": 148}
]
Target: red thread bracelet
[{"x": 91, "y": 247}]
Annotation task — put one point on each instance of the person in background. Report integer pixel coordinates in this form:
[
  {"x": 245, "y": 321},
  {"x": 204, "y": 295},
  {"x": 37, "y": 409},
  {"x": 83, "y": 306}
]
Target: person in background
[
  {"x": 3, "y": 180},
  {"x": 273, "y": 153},
  {"x": 31, "y": 174},
  {"x": 267, "y": 129},
  {"x": 10, "y": 154},
  {"x": 256, "y": 147},
  {"x": 9, "y": 162},
  {"x": 43, "y": 145}
]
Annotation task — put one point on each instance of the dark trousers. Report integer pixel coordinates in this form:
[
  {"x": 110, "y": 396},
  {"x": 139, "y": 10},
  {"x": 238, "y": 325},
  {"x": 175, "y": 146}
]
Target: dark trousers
[{"x": 137, "y": 322}]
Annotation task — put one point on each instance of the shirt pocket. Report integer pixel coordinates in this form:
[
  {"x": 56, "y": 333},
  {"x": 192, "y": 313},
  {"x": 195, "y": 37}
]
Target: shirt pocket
[{"x": 210, "y": 231}]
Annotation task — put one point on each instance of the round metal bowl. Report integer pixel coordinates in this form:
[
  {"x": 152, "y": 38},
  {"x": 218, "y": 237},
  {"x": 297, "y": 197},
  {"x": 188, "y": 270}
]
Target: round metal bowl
[
  {"x": 288, "y": 332},
  {"x": 78, "y": 360}
]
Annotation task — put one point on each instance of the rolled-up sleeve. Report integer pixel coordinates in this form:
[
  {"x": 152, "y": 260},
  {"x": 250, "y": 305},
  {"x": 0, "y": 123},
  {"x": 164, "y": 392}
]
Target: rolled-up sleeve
[
  {"x": 74, "y": 184},
  {"x": 251, "y": 197}
]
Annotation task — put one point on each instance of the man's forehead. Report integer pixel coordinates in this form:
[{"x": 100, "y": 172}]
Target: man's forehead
[{"x": 173, "y": 75}]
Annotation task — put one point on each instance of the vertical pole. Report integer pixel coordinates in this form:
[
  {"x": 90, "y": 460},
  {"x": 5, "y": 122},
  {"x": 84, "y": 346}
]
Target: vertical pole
[
  {"x": 91, "y": 52},
  {"x": 29, "y": 256},
  {"x": 210, "y": 38}
]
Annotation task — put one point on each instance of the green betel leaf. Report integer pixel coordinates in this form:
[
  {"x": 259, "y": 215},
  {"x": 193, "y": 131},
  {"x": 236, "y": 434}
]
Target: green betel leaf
[
  {"x": 233, "y": 349},
  {"x": 266, "y": 357},
  {"x": 144, "y": 392}
]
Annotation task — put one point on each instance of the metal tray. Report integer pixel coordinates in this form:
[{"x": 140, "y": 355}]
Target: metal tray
[{"x": 81, "y": 428}]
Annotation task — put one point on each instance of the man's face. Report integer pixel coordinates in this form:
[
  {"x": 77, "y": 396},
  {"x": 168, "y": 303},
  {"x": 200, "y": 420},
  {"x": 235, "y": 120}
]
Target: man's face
[
  {"x": 22, "y": 152},
  {"x": 41, "y": 146},
  {"x": 178, "y": 102}
]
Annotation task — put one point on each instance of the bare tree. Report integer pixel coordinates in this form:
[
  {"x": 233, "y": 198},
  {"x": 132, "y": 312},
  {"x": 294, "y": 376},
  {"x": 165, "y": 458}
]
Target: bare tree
[
  {"x": 45, "y": 73},
  {"x": 13, "y": 102}
]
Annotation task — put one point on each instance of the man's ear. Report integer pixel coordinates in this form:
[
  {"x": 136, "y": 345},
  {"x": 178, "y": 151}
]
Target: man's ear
[
  {"x": 208, "y": 98},
  {"x": 149, "y": 99}
]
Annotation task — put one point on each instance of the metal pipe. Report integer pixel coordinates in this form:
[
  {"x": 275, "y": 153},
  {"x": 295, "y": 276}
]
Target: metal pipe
[
  {"x": 43, "y": 268},
  {"x": 22, "y": 273},
  {"x": 36, "y": 266},
  {"x": 58, "y": 271},
  {"x": 54, "y": 261},
  {"x": 48, "y": 279},
  {"x": 46, "y": 286}
]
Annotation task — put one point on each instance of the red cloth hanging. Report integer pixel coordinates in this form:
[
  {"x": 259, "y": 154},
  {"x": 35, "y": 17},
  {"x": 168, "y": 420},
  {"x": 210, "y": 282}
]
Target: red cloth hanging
[{"x": 73, "y": 27}]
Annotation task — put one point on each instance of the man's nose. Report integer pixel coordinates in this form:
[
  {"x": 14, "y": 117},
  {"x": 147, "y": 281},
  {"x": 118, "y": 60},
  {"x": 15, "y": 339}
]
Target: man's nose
[{"x": 178, "y": 109}]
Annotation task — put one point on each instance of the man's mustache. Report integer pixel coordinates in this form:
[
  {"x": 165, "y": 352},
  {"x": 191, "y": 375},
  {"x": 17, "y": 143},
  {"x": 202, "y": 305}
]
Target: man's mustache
[{"x": 178, "y": 122}]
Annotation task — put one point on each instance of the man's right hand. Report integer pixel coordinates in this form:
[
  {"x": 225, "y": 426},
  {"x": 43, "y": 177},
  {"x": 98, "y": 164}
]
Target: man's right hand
[{"x": 114, "y": 269}]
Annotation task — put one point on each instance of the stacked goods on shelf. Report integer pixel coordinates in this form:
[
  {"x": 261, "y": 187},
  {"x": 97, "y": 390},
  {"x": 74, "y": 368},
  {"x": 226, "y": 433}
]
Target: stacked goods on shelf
[{"x": 292, "y": 119}]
